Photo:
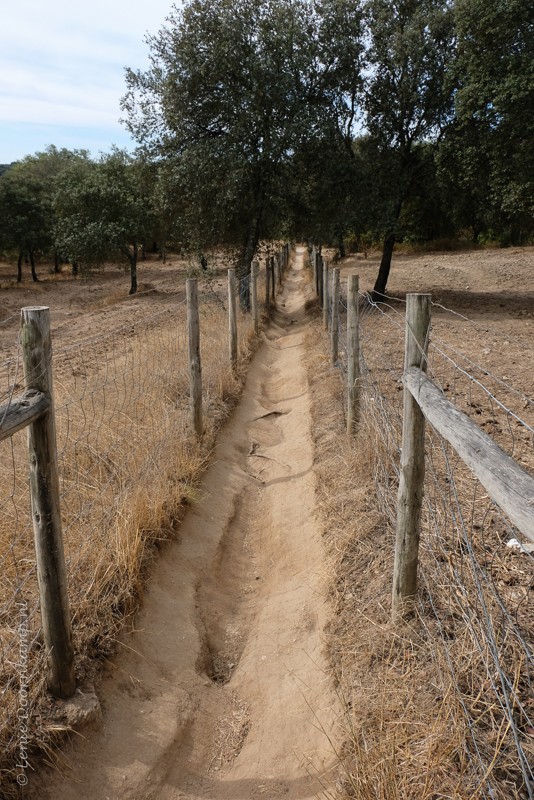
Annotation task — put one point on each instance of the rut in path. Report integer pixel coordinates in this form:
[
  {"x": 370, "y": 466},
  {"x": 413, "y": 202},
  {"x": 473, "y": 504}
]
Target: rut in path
[{"x": 222, "y": 691}]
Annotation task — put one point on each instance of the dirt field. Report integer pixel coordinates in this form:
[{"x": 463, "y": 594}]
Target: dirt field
[
  {"x": 495, "y": 287},
  {"x": 223, "y": 690}
]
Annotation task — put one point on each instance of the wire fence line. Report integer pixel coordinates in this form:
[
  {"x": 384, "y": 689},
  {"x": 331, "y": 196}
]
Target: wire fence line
[
  {"x": 476, "y": 571},
  {"x": 128, "y": 465}
]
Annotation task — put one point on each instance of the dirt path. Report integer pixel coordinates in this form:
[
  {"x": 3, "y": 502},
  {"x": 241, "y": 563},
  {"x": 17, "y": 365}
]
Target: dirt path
[{"x": 222, "y": 690}]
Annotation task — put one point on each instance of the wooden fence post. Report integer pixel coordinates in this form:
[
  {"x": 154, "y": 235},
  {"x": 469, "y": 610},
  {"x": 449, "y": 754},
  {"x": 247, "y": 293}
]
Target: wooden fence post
[
  {"x": 313, "y": 262},
  {"x": 195, "y": 369},
  {"x": 273, "y": 279},
  {"x": 326, "y": 295},
  {"x": 232, "y": 318},
  {"x": 353, "y": 353},
  {"x": 254, "y": 296},
  {"x": 267, "y": 286},
  {"x": 412, "y": 466},
  {"x": 334, "y": 332},
  {"x": 45, "y": 509}
]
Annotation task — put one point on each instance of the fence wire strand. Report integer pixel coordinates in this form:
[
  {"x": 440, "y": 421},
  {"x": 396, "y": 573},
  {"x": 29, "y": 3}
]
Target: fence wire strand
[
  {"x": 128, "y": 462},
  {"x": 476, "y": 573}
]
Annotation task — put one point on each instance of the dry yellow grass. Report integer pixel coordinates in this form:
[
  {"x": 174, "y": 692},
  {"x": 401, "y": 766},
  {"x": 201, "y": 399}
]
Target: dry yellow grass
[
  {"x": 129, "y": 465},
  {"x": 418, "y": 700}
]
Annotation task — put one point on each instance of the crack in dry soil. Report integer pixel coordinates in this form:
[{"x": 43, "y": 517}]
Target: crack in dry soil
[{"x": 233, "y": 699}]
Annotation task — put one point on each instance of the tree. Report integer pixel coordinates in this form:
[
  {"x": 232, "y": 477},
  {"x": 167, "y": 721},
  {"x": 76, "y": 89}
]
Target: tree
[
  {"x": 233, "y": 90},
  {"x": 26, "y": 216},
  {"x": 101, "y": 213},
  {"x": 494, "y": 110},
  {"x": 5, "y": 167},
  {"x": 322, "y": 187},
  {"x": 407, "y": 97}
]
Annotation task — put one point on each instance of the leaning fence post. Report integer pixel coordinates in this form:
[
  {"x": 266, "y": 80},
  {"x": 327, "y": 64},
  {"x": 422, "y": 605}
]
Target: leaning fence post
[
  {"x": 254, "y": 296},
  {"x": 412, "y": 466},
  {"x": 232, "y": 318},
  {"x": 195, "y": 369},
  {"x": 353, "y": 353},
  {"x": 326, "y": 295},
  {"x": 334, "y": 333},
  {"x": 45, "y": 509}
]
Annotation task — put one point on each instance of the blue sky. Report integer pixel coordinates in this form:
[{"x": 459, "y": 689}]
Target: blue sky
[{"x": 62, "y": 71}]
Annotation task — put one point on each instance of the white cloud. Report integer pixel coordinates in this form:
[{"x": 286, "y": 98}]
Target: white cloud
[{"x": 63, "y": 63}]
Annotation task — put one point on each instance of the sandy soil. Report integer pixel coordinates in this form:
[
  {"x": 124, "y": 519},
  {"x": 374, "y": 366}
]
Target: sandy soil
[{"x": 222, "y": 690}]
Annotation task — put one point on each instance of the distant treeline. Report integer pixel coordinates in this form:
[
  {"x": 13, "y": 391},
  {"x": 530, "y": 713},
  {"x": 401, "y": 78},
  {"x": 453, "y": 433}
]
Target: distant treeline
[{"x": 355, "y": 121}]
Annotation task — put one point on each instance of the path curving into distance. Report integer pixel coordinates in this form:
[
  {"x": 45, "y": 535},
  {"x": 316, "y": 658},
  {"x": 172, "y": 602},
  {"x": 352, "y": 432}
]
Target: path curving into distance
[{"x": 222, "y": 692}]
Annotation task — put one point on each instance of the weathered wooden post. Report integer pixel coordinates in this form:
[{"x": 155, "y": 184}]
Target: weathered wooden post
[
  {"x": 267, "y": 286},
  {"x": 195, "y": 369},
  {"x": 412, "y": 466},
  {"x": 326, "y": 295},
  {"x": 353, "y": 353},
  {"x": 232, "y": 318},
  {"x": 313, "y": 262},
  {"x": 320, "y": 289},
  {"x": 45, "y": 509},
  {"x": 334, "y": 331},
  {"x": 254, "y": 296},
  {"x": 273, "y": 279}
]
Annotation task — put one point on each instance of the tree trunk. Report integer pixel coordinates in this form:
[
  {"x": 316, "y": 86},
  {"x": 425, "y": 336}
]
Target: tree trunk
[
  {"x": 341, "y": 245},
  {"x": 379, "y": 288},
  {"x": 74, "y": 268},
  {"x": 132, "y": 257},
  {"x": 19, "y": 267},
  {"x": 32, "y": 262},
  {"x": 385, "y": 265},
  {"x": 245, "y": 262},
  {"x": 57, "y": 268}
]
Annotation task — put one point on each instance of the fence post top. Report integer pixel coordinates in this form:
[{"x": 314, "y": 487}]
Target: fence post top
[
  {"x": 38, "y": 309},
  {"x": 413, "y": 295}
]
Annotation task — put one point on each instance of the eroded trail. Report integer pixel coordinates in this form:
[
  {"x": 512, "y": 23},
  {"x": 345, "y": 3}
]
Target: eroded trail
[{"x": 222, "y": 692}]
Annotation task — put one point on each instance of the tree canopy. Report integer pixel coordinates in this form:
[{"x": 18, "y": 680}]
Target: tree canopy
[
  {"x": 322, "y": 119},
  {"x": 101, "y": 213}
]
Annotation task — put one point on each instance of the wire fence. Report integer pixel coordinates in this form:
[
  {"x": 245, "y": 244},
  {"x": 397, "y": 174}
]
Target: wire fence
[
  {"x": 476, "y": 571},
  {"x": 129, "y": 463}
]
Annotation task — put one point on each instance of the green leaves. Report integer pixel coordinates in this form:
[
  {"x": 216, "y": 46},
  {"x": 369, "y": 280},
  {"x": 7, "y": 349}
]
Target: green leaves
[
  {"x": 101, "y": 212},
  {"x": 495, "y": 105},
  {"x": 234, "y": 93}
]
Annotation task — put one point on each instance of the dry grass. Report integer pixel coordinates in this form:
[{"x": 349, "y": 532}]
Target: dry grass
[
  {"x": 420, "y": 699},
  {"x": 129, "y": 466}
]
